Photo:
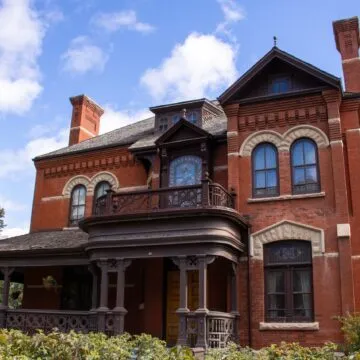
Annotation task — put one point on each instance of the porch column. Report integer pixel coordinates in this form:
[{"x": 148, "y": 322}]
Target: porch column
[
  {"x": 94, "y": 290},
  {"x": 183, "y": 310},
  {"x": 119, "y": 310},
  {"x": 104, "y": 288},
  {"x": 202, "y": 311},
  {"x": 5, "y": 294},
  {"x": 234, "y": 291}
]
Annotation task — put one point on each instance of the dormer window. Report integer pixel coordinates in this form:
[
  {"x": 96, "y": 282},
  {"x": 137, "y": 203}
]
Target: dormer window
[
  {"x": 175, "y": 118},
  {"x": 163, "y": 124},
  {"x": 280, "y": 85},
  {"x": 192, "y": 117}
]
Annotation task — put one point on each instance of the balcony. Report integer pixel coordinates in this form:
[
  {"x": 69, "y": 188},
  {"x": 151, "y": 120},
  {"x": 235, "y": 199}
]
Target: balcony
[{"x": 204, "y": 195}]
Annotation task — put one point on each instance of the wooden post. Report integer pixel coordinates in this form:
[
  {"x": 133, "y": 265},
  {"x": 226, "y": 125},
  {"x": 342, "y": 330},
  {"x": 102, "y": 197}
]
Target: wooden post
[
  {"x": 234, "y": 301},
  {"x": 5, "y": 294},
  {"x": 119, "y": 310},
  {"x": 202, "y": 311},
  {"x": 94, "y": 290},
  {"x": 183, "y": 310},
  {"x": 104, "y": 288}
]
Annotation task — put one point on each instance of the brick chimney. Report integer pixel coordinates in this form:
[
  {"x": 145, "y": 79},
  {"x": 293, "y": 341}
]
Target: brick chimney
[
  {"x": 347, "y": 43},
  {"x": 85, "y": 120}
]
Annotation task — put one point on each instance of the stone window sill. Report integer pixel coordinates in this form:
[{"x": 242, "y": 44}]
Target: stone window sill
[
  {"x": 71, "y": 228},
  {"x": 287, "y": 197},
  {"x": 313, "y": 326}
]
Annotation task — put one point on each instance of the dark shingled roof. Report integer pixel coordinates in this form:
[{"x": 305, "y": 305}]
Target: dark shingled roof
[
  {"x": 54, "y": 240},
  {"x": 139, "y": 135}
]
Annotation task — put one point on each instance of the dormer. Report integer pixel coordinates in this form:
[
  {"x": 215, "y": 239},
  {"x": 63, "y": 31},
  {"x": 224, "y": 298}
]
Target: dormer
[
  {"x": 278, "y": 74},
  {"x": 196, "y": 112}
]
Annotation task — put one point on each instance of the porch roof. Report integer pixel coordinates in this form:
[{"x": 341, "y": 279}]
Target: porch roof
[{"x": 45, "y": 240}]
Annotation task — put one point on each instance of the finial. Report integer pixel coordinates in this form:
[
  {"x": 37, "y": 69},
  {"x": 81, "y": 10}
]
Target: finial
[
  {"x": 275, "y": 41},
  {"x": 183, "y": 113}
]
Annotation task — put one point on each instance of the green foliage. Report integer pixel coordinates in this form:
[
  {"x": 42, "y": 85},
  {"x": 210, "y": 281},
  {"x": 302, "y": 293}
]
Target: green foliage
[
  {"x": 350, "y": 326},
  {"x": 15, "y": 294},
  {"x": 2, "y": 215}
]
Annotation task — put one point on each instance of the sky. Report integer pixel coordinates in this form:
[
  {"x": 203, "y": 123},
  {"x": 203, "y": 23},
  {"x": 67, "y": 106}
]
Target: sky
[{"x": 129, "y": 55}]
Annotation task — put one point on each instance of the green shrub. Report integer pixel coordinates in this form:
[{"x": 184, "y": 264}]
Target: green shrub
[{"x": 350, "y": 326}]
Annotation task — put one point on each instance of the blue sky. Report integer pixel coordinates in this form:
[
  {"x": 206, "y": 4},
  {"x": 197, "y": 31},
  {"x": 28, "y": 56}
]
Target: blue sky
[{"x": 129, "y": 55}]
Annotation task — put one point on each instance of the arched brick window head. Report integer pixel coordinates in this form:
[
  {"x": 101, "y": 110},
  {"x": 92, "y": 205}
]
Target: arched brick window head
[
  {"x": 77, "y": 204},
  {"x": 265, "y": 170},
  {"x": 305, "y": 167}
]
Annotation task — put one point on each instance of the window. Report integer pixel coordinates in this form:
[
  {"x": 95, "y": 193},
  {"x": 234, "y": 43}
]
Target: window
[
  {"x": 280, "y": 85},
  {"x": 265, "y": 170},
  {"x": 192, "y": 117},
  {"x": 185, "y": 170},
  {"x": 175, "y": 118},
  {"x": 100, "y": 190},
  {"x": 288, "y": 282},
  {"x": 163, "y": 124},
  {"x": 304, "y": 163},
  {"x": 77, "y": 208}
]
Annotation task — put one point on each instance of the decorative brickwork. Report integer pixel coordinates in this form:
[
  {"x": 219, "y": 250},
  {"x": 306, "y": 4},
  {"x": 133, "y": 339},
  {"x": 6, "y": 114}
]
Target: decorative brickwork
[
  {"x": 103, "y": 176},
  {"x": 284, "y": 141},
  {"x": 287, "y": 230},
  {"x": 76, "y": 180}
]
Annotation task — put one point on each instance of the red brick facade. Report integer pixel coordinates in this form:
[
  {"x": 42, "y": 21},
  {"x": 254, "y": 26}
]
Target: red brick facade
[{"x": 330, "y": 117}]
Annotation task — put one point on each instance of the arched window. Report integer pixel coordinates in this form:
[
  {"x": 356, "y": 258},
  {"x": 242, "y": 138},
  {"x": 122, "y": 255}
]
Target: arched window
[
  {"x": 77, "y": 206},
  {"x": 288, "y": 281},
  {"x": 185, "y": 170},
  {"x": 265, "y": 170},
  {"x": 100, "y": 190},
  {"x": 305, "y": 169}
]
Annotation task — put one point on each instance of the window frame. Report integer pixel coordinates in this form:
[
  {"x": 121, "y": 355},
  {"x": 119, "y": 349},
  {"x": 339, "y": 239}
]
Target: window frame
[
  {"x": 72, "y": 222},
  {"x": 288, "y": 270},
  {"x": 292, "y": 169},
  {"x": 253, "y": 172}
]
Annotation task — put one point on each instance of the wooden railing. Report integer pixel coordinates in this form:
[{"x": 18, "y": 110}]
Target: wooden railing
[
  {"x": 220, "y": 329},
  {"x": 49, "y": 320},
  {"x": 206, "y": 194}
]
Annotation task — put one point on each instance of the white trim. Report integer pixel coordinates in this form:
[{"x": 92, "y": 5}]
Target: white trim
[
  {"x": 286, "y": 197},
  {"x": 353, "y": 130},
  {"x": 233, "y": 154},
  {"x": 254, "y": 139},
  {"x": 231, "y": 134},
  {"x": 351, "y": 60},
  {"x": 133, "y": 188},
  {"x": 334, "y": 120},
  {"x": 335, "y": 142},
  {"x": 70, "y": 228},
  {"x": 287, "y": 230},
  {"x": 155, "y": 176},
  {"x": 331, "y": 254},
  {"x": 343, "y": 230},
  {"x": 84, "y": 130},
  {"x": 52, "y": 198},
  {"x": 103, "y": 176},
  {"x": 220, "y": 168},
  {"x": 312, "y": 326},
  {"x": 355, "y": 257},
  {"x": 76, "y": 180}
]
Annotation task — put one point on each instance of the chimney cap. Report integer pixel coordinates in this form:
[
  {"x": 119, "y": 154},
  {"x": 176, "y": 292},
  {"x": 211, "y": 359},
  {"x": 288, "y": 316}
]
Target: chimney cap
[
  {"x": 84, "y": 99},
  {"x": 350, "y": 24}
]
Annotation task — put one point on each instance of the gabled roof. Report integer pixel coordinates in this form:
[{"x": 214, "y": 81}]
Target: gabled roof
[
  {"x": 182, "y": 123},
  {"x": 276, "y": 53}
]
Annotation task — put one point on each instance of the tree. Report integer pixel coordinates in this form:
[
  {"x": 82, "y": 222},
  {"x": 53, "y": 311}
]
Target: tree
[{"x": 2, "y": 215}]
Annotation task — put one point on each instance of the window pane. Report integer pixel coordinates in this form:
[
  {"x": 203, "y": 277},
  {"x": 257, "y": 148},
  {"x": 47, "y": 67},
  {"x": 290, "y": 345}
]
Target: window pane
[
  {"x": 270, "y": 157},
  {"x": 260, "y": 179},
  {"x": 260, "y": 158},
  {"x": 81, "y": 212},
  {"x": 301, "y": 281},
  {"x": 276, "y": 306},
  {"x": 309, "y": 149},
  {"x": 311, "y": 174},
  {"x": 74, "y": 212},
  {"x": 275, "y": 282},
  {"x": 299, "y": 176},
  {"x": 302, "y": 305},
  {"x": 101, "y": 189},
  {"x": 271, "y": 178},
  {"x": 82, "y": 195},
  {"x": 297, "y": 154}
]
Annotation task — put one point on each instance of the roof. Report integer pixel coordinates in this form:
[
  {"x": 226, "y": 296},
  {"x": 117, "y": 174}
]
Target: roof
[
  {"x": 275, "y": 52},
  {"x": 138, "y": 135},
  {"x": 54, "y": 240}
]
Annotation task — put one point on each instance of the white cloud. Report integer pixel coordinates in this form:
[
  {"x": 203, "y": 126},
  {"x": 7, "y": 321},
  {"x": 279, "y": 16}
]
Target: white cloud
[
  {"x": 10, "y": 205},
  {"x": 21, "y": 36},
  {"x": 18, "y": 161},
  {"x": 113, "y": 119},
  {"x": 233, "y": 13},
  {"x": 112, "y": 22},
  {"x": 195, "y": 68},
  {"x": 83, "y": 56},
  {"x": 10, "y": 232}
]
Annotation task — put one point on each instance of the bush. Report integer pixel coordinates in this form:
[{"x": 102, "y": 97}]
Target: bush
[{"x": 350, "y": 326}]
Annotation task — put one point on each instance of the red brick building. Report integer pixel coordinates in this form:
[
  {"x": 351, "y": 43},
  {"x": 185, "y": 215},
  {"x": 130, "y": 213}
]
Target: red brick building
[{"x": 236, "y": 218}]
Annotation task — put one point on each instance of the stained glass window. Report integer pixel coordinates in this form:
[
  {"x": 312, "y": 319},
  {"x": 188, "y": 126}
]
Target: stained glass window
[
  {"x": 265, "y": 172},
  {"x": 304, "y": 167},
  {"x": 185, "y": 170},
  {"x": 288, "y": 281},
  {"x": 77, "y": 209}
]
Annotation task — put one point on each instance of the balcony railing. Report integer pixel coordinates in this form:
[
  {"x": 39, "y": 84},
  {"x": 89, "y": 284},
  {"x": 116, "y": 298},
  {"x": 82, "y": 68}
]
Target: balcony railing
[{"x": 206, "y": 194}]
